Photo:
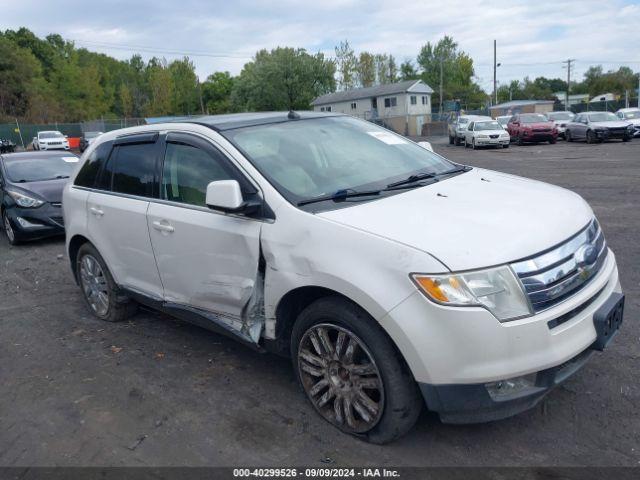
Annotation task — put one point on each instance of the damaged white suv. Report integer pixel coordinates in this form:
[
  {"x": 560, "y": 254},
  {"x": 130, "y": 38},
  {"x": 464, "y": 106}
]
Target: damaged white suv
[{"x": 391, "y": 276}]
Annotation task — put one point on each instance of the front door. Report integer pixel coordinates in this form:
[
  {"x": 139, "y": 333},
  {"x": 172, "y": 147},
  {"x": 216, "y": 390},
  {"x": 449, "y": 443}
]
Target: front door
[{"x": 207, "y": 260}]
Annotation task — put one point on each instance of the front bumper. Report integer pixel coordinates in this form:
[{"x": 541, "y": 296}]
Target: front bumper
[
  {"x": 481, "y": 142},
  {"x": 609, "y": 135},
  {"x": 451, "y": 348},
  {"x": 34, "y": 223},
  {"x": 44, "y": 146},
  {"x": 539, "y": 137}
]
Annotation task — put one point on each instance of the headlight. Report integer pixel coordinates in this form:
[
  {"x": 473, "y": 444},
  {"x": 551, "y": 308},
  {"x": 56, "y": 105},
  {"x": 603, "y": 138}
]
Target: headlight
[
  {"x": 495, "y": 289},
  {"x": 25, "y": 201}
]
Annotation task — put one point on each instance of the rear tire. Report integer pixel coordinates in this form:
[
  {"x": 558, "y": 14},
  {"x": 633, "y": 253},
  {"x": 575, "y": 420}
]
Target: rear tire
[
  {"x": 552, "y": 141},
  {"x": 100, "y": 292},
  {"x": 332, "y": 376},
  {"x": 450, "y": 140}
]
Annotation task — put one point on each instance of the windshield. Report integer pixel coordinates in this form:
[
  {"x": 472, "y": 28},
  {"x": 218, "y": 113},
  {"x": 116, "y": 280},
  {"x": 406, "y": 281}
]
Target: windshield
[
  {"x": 560, "y": 116},
  {"x": 533, "y": 118},
  {"x": 487, "y": 126},
  {"x": 91, "y": 134},
  {"x": 22, "y": 170},
  {"x": 634, "y": 114},
  {"x": 309, "y": 158},
  {"x": 503, "y": 120},
  {"x": 50, "y": 135},
  {"x": 603, "y": 117},
  {"x": 462, "y": 121}
]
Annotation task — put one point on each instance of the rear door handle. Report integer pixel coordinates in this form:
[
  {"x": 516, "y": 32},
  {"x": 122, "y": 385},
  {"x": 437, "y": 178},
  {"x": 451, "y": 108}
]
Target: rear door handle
[
  {"x": 162, "y": 226},
  {"x": 96, "y": 211}
]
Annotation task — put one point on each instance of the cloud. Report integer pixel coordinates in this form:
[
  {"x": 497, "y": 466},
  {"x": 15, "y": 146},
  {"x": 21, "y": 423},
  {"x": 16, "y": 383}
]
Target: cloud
[{"x": 533, "y": 37}]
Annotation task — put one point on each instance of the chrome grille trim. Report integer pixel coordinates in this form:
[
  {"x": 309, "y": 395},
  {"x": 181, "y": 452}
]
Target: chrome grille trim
[{"x": 554, "y": 275}]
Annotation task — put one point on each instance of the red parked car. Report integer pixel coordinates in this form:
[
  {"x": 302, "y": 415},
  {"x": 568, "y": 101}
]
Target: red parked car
[{"x": 531, "y": 127}]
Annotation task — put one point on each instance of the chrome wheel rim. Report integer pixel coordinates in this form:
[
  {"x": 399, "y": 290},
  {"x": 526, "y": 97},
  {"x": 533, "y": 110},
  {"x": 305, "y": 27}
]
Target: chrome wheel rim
[
  {"x": 8, "y": 229},
  {"x": 341, "y": 378},
  {"x": 94, "y": 285}
]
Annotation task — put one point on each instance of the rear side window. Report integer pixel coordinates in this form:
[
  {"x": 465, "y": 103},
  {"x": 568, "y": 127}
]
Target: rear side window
[
  {"x": 130, "y": 170},
  {"x": 88, "y": 174},
  {"x": 188, "y": 170}
]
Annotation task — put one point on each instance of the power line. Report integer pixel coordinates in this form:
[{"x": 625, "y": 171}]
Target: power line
[{"x": 146, "y": 49}]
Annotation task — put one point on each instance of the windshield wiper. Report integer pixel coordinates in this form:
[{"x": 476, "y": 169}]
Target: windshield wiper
[
  {"x": 412, "y": 179},
  {"x": 340, "y": 195},
  {"x": 461, "y": 168}
]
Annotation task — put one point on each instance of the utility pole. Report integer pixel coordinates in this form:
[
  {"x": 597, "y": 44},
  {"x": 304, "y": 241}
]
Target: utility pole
[
  {"x": 440, "y": 87},
  {"x": 569, "y": 61},
  {"x": 638, "y": 90},
  {"x": 495, "y": 88}
]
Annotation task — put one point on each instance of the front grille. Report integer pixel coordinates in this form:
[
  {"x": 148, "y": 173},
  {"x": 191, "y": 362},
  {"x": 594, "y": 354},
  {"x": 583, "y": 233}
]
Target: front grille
[
  {"x": 553, "y": 276},
  {"x": 541, "y": 129},
  {"x": 54, "y": 143},
  {"x": 494, "y": 136}
]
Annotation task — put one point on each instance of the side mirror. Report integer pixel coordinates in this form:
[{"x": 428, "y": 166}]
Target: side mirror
[{"x": 226, "y": 196}]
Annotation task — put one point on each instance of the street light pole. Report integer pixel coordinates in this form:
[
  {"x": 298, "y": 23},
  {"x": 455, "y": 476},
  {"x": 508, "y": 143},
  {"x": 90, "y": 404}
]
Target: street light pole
[
  {"x": 495, "y": 89},
  {"x": 440, "y": 87}
]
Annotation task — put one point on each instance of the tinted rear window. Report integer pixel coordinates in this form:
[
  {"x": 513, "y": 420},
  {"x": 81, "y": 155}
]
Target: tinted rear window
[
  {"x": 89, "y": 172},
  {"x": 130, "y": 170}
]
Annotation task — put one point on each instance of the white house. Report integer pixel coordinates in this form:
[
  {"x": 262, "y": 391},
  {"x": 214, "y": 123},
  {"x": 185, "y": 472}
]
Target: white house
[{"x": 403, "y": 106}]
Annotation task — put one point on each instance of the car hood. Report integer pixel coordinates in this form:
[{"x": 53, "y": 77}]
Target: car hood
[
  {"x": 634, "y": 121},
  {"x": 49, "y": 190},
  {"x": 473, "y": 220},
  {"x": 611, "y": 124},
  {"x": 499, "y": 131}
]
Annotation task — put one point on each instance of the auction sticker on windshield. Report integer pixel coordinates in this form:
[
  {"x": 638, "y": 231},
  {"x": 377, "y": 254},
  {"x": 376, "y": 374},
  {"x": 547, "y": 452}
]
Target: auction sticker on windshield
[
  {"x": 70, "y": 159},
  {"x": 388, "y": 138}
]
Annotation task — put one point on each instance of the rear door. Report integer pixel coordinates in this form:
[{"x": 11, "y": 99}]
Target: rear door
[
  {"x": 207, "y": 260},
  {"x": 117, "y": 213}
]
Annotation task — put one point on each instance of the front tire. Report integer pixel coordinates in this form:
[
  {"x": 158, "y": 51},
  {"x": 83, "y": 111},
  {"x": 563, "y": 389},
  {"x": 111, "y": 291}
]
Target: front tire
[
  {"x": 520, "y": 140},
  {"x": 591, "y": 138},
  {"x": 450, "y": 140},
  {"x": 100, "y": 292},
  {"x": 351, "y": 372},
  {"x": 552, "y": 141},
  {"x": 473, "y": 144},
  {"x": 457, "y": 141},
  {"x": 568, "y": 137},
  {"x": 8, "y": 229}
]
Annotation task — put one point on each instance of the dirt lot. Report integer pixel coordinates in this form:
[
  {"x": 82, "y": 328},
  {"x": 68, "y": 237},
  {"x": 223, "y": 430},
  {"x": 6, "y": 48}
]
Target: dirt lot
[{"x": 155, "y": 391}]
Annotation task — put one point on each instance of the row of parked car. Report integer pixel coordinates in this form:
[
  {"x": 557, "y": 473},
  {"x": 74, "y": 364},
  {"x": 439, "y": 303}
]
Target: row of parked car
[
  {"x": 55, "y": 140},
  {"x": 479, "y": 131}
]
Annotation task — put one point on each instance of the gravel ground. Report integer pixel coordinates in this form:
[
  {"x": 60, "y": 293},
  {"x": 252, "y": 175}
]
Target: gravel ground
[{"x": 155, "y": 391}]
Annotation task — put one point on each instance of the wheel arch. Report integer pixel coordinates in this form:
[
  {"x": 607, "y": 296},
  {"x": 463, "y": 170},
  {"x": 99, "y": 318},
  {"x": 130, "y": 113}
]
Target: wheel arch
[{"x": 74, "y": 247}]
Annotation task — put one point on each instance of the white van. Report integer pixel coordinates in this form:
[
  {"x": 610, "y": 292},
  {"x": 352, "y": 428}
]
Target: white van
[{"x": 391, "y": 276}]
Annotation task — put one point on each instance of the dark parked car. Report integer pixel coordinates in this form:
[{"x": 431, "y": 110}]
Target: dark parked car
[
  {"x": 87, "y": 138},
  {"x": 598, "y": 127},
  {"x": 532, "y": 128},
  {"x": 31, "y": 186},
  {"x": 6, "y": 146}
]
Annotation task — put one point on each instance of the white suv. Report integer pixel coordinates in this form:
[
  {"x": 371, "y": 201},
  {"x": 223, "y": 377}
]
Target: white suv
[
  {"x": 50, "y": 140},
  {"x": 390, "y": 275}
]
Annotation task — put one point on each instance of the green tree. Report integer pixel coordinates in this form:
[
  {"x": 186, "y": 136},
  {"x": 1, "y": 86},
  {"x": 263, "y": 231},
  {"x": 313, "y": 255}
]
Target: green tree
[
  {"x": 186, "y": 97},
  {"x": 366, "y": 69},
  {"x": 457, "y": 72},
  {"x": 160, "y": 84},
  {"x": 408, "y": 71},
  {"x": 283, "y": 79},
  {"x": 346, "y": 65},
  {"x": 216, "y": 92}
]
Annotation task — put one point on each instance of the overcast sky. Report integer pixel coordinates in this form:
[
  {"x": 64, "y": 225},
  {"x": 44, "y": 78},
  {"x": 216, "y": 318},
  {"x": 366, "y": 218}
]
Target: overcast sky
[{"x": 533, "y": 36}]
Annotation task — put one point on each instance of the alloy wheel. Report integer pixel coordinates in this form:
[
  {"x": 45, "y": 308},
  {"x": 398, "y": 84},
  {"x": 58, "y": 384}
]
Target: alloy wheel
[
  {"x": 341, "y": 378},
  {"x": 94, "y": 285},
  {"x": 9, "y": 229}
]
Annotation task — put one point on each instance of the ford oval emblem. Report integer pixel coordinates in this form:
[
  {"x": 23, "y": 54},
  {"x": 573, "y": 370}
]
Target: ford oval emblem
[{"x": 586, "y": 255}]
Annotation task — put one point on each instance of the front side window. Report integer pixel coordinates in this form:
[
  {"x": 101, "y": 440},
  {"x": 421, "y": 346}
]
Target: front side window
[
  {"x": 309, "y": 158},
  {"x": 130, "y": 170},
  {"x": 188, "y": 170}
]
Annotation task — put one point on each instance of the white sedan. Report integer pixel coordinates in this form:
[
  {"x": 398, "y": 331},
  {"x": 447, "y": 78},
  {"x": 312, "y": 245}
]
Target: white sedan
[
  {"x": 482, "y": 133},
  {"x": 50, "y": 140}
]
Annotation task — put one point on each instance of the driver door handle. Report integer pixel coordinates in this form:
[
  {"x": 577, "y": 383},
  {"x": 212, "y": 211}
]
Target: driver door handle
[
  {"x": 162, "y": 226},
  {"x": 96, "y": 211}
]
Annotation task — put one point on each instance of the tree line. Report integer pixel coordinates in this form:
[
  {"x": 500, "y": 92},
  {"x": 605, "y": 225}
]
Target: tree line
[{"x": 46, "y": 80}]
